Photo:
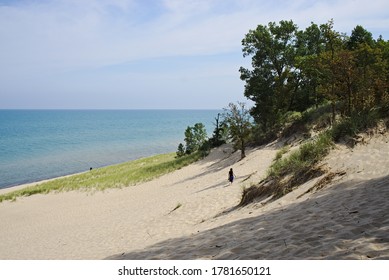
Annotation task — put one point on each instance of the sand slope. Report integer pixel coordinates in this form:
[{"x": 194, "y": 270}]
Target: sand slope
[
  {"x": 190, "y": 214},
  {"x": 77, "y": 225}
]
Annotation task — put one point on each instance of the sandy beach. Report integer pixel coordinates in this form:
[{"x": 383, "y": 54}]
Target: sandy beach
[{"x": 191, "y": 214}]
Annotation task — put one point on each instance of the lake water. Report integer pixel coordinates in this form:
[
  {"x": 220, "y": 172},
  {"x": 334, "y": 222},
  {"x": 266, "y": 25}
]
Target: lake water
[{"x": 43, "y": 144}]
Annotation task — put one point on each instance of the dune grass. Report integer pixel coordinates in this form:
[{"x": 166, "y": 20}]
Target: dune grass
[
  {"x": 115, "y": 176},
  {"x": 288, "y": 172},
  {"x": 305, "y": 157},
  {"x": 299, "y": 166}
]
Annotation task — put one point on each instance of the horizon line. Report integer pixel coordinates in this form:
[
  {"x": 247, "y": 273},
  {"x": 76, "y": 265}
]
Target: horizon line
[{"x": 109, "y": 109}]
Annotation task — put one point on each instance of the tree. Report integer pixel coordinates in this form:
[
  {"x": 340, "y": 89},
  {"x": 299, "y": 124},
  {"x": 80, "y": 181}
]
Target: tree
[
  {"x": 372, "y": 70},
  {"x": 180, "y": 150},
  {"x": 291, "y": 70},
  {"x": 309, "y": 44},
  {"x": 238, "y": 119},
  {"x": 195, "y": 137},
  {"x": 200, "y": 135},
  {"x": 352, "y": 70},
  {"x": 218, "y": 138},
  {"x": 359, "y": 36},
  {"x": 276, "y": 82},
  {"x": 346, "y": 79},
  {"x": 327, "y": 63}
]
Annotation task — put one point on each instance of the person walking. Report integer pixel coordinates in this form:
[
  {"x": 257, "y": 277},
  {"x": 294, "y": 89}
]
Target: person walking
[{"x": 231, "y": 176}]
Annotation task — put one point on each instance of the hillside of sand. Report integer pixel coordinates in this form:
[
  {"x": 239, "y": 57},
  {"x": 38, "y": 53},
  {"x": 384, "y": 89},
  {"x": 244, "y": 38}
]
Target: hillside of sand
[{"x": 192, "y": 214}]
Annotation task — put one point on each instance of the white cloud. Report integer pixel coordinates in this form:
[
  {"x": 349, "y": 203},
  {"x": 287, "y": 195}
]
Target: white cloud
[
  {"x": 44, "y": 43},
  {"x": 89, "y": 33}
]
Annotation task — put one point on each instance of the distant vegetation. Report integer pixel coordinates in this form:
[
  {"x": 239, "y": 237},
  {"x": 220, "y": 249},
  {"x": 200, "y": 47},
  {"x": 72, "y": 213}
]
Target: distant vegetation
[
  {"x": 235, "y": 126},
  {"x": 195, "y": 141}
]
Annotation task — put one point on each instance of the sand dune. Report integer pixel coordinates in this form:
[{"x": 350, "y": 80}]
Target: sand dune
[{"x": 191, "y": 214}]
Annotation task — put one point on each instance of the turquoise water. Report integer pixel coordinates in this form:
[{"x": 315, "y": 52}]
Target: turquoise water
[{"x": 42, "y": 144}]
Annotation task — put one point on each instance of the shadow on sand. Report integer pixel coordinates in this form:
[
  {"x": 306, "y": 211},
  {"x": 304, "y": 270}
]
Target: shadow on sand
[{"x": 349, "y": 220}]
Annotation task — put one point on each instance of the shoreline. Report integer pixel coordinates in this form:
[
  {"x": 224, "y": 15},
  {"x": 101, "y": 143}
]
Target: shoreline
[
  {"x": 113, "y": 176},
  {"x": 32, "y": 184},
  {"x": 69, "y": 142},
  {"x": 191, "y": 213},
  {"x": 17, "y": 187}
]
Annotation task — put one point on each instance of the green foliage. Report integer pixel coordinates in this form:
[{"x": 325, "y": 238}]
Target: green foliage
[
  {"x": 195, "y": 136},
  {"x": 180, "y": 150},
  {"x": 205, "y": 148},
  {"x": 304, "y": 158},
  {"x": 287, "y": 172},
  {"x": 293, "y": 116},
  {"x": 281, "y": 152},
  {"x": 357, "y": 122},
  {"x": 219, "y": 134},
  {"x": 344, "y": 128},
  {"x": 239, "y": 125},
  {"x": 309, "y": 154},
  {"x": 294, "y": 69},
  {"x": 318, "y": 116},
  {"x": 116, "y": 176},
  {"x": 315, "y": 150},
  {"x": 299, "y": 166},
  {"x": 359, "y": 36},
  {"x": 275, "y": 83},
  {"x": 315, "y": 79}
]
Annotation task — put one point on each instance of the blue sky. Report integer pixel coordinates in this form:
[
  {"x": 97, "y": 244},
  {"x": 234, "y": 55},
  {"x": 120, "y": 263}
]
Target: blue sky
[{"x": 134, "y": 54}]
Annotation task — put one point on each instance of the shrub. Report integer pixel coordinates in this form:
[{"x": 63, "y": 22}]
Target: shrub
[
  {"x": 180, "y": 150},
  {"x": 357, "y": 122},
  {"x": 298, "y": 167},
  {"x": 292, "y": 116},
  {"x": 344, "y": 128},
  {"x": 205, "y": 148}
]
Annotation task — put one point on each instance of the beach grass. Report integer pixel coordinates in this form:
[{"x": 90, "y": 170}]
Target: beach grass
[
  {"x": 299, "y": 166},
  {"x": 303, "y": 158},
  {"x": 115, "y": 176}
]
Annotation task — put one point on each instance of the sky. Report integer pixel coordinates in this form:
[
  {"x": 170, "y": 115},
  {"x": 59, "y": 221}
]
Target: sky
[{"x": 147, "y": 54}]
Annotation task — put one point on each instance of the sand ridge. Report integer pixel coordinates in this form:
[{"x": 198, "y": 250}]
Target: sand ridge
[{"x": 191, "y": 214}]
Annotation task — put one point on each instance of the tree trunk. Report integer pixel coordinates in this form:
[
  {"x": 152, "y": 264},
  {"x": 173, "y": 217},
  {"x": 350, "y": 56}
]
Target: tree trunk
[{"x": 242, "y": 150}]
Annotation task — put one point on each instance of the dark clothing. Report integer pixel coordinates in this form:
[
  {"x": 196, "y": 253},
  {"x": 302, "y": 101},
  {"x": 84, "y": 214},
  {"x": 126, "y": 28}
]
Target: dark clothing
[{"x": 231, "y": 176}]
